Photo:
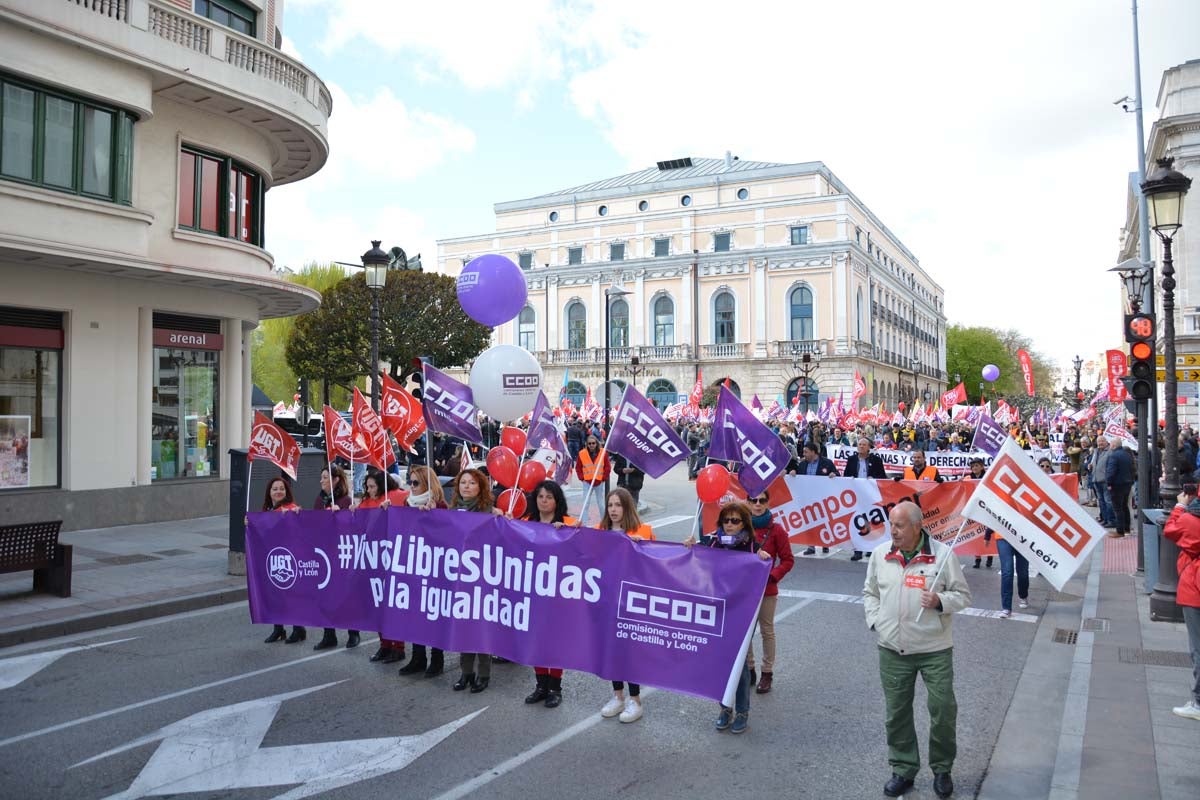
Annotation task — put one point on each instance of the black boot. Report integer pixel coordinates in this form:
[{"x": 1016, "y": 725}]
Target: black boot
[
  {"x": 479, "y": 684},
  {"x": 464, "y": 680},
  {"x": 541, "y": 692},
  {"x": 352, "y": 640},
  {"x": 978, "y": 561},
  {"x": 417, "y": 663},
  {"x": 381, "y": 653},
  {"x": 988, "y": 563},
  {"x": 857, "y": 556},
  {"x": 298, "y": 635},
  {"x": 394, "y": 654},
  {"x": 277, "y": 634},
  {"x": 327, "y": 641},
  {"x": 554, "y": 693},
  {"x": 435, "y": 664}
]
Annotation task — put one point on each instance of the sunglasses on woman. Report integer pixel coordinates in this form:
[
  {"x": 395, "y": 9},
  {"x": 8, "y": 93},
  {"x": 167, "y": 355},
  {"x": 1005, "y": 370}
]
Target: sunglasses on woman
[
  {"x": 757, "y": 501},
  {"x": 732, "y": 521}
]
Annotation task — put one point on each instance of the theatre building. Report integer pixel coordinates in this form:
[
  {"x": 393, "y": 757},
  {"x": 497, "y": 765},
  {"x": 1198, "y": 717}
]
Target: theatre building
[
  {"x": 139, "y": 140},
  {"x": 773, "y": 275}
]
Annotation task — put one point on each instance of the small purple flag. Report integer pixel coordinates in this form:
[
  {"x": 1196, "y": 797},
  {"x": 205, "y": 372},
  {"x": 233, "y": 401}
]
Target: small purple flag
[
  {"x": 544, "y": 434},
  {"x": 989, "y": 436},
  {"x": 449, "y": 407},
  {"x": 756, "y": 404},
  {"x": 642, "y": 435},
  {"x": 738, "y": 436}
]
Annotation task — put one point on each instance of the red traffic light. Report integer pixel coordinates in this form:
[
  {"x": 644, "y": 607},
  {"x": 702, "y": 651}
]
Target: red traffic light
[{"x": 1141, "y": 350}]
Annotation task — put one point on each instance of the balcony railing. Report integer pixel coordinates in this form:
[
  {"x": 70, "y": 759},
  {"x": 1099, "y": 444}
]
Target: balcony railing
[
  {"x": 799, "y": 347},
  {"x": 114, "y": 9},
  {"x": 717, "y": 351},
  {"x": 664, "y": 352},
  {"x": 187, "y": 31}
]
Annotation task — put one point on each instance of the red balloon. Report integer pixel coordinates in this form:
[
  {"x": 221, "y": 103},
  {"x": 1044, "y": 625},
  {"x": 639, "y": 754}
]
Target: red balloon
[
  {"x": 532, "y": 473},
  {"x": 712, "y": 482},
  {"x": 513, "y": 439},
  {"x": 502, "y": 466},
  {"x": 513, "y": 497}
]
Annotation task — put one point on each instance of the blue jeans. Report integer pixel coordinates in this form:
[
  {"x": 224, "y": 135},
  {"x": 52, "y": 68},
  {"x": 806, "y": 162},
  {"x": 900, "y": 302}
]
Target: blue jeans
[
  {"x": 741, "y": 699},
  {"x": 1007, "y": 556},
  {"x": 1104, "y": 502}
]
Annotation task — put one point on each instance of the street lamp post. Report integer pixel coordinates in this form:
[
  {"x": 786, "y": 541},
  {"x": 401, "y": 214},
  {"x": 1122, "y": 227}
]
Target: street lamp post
[
  {"x": 616, "y": 290},
  {"x": 806, "y": 364},
  {"x": 916, "y": 368},
  {"x": 1078, "y": 364},
  {"x": 1165, "y": 189},
  {"x": 1136, "y": 278},
  {"x": 634, "y": 368},
  {"x": 375, "y": 262}
]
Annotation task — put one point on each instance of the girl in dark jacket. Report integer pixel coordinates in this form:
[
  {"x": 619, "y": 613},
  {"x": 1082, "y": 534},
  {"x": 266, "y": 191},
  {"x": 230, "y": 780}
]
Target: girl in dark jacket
[{"x": 333, "y": 496}]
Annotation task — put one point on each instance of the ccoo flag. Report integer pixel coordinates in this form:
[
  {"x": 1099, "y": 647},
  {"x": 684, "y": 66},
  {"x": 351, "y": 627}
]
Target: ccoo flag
[
  {"x": 738, "y": 436},
  {"x": 449, "y": 406},
  {"x": 1040, "y": 520},
  {"x": 642, "y": 435}
]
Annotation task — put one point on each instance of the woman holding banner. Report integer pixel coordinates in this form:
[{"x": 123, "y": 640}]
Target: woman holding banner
[
  {"x": 334, "y": 496},
  {"x": 425, "y": 493},
  {"x": 622, "y": 516},
  {"x": 771, "y": 539},
  {"x": 473, "y": 492},
  {"x": 279, "y": 498},
  {"x": 380, "y": 490},
  {"x": 549, "y": 506},
  {"x": 736, "y": 532}
]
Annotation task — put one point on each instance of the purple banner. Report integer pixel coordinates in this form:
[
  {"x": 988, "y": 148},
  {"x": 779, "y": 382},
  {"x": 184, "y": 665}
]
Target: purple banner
[
  {"x": 449, "y": 407},
  {"x": 642, "y": 435},
  {"x": 577, "y": 598},
  {"x": 738, "y": 436},
  {"x": 989, "y": 435},
  {"x": 545, "y": 436}
]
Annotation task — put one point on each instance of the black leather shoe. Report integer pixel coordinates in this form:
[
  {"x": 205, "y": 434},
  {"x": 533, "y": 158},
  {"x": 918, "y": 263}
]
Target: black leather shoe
[
  {"x": 942, "y": 784},
  {"x": 897, "y": 785},
  {"x": 381, "y": 654},
  {"x": 298, "y": 635},
  {"x": 541, "y": 692},
  {"x": 326, "y": 643},
  {"x": 857, "y": 556},
  {"x": 554, "y": 695},
  {"x": 413, "y": 667},
  {"x": 464, "y": 680},
  {"x": 436, "y": 665},
  {"x": 808, "y": 551},
  {"x": 352, "y": 640},
  {"x": 478, "y": 685},
  {"x": 394, "y": 654},
  {"x": 277, "y": 634}
]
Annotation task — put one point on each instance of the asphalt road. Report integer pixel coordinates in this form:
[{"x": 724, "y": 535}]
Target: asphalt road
[{"x": 196, "y": 705}]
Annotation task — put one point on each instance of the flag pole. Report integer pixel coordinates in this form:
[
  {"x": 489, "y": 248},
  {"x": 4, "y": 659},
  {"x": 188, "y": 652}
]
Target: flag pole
[
  {"x": 592, "y": 485},
  {"x": 512, "y": 501},
  {"x": 249, "y": 473},
  {"x": 938, "y": 574}
]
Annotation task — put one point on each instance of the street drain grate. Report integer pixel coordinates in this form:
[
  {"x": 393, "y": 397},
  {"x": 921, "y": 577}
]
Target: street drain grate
[
  {"x": 1155, "y": 658},
  {"x": 1064, "y": 636},
  {"x": 1062, "y": 597},
  {"x": 1097, "y": 624}
]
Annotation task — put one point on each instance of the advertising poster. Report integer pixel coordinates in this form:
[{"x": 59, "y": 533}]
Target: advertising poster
[{"x": 14, "y": 451}]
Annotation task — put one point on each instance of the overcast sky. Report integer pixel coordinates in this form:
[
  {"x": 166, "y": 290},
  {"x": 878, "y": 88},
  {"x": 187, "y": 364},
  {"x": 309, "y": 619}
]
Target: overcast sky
[{"x": 983, "y": 134}]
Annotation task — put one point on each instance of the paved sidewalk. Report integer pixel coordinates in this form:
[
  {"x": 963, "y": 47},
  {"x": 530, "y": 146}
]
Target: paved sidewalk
[
  {"x": 123, "y": 575},
  {"x": 1091, "y": 718}
]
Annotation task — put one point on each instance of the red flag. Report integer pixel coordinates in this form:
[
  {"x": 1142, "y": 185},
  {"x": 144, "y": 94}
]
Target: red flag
[
  {"x": 727, "y": 386},
  {"x": 697, "y": 390},
  {"x": 269, "y": 441},
  {"x": 860, "y": 388},
  {"x": 401, "y": 413},
  {"x": 464, "y": 461},
  {"x": 340, "y": 440},
  {"x": 1118, "y": 367},
  {"x": 955, "y": 396},
  {"x": 1026, "y": 371},
  {"x": 368, "y": 428}
]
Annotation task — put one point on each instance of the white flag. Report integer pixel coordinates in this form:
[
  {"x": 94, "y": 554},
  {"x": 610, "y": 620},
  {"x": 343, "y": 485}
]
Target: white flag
[{"x": 1040, "y": 520}]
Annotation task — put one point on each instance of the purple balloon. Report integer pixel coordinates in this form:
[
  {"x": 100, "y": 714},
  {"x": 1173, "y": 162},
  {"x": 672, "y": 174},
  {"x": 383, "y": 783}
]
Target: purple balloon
[
  {"x": 491, "y": 289},
  {"x": 991, "y": 372}
]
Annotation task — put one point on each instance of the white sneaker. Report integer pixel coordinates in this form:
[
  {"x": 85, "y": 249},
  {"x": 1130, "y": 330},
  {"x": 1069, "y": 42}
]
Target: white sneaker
[
  {"x": 1005, "y": 614},
  {"x": 1191, "y": 711},
  {"x": 1023, "y": 604},
  {"x": 633, "y": 710},
  {"x": 612, "y": 707}
]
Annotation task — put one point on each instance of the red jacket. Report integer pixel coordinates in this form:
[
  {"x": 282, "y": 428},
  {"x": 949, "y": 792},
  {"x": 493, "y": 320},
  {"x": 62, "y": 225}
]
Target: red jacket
[
  {"x": 775, "y": 541},
  {"x": 1183, "y": 529},
  {"x": 601, "y": 465}
]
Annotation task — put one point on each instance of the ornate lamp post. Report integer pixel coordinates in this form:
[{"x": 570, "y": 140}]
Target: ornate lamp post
[
  {"x": 375, "y": 262},
  {"x": 616, "y": 290},
  {"x": 806, "y": 364},
  {"x": 1164, "y": 190},
  {"x": 634, "y": 368},
  {"x": 1078, "y": 365}
]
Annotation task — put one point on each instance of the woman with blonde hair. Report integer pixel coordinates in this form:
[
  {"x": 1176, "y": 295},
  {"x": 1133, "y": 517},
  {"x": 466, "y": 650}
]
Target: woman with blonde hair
[{"x": 425, "y": 493}]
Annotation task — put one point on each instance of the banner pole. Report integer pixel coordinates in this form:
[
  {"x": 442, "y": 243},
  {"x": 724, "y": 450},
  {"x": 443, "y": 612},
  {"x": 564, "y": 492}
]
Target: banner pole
[
  {"x": 592, "y": 485},
  {"x": 249, "y": 472},
  {"x": 938, "y": 574},
  {"x": 512, "y": 501}
]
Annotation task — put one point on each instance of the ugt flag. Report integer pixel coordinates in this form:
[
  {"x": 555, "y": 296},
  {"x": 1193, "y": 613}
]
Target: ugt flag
[
  {"x": 449, "y": 406},
  {"x": 369, "y": 429},
  {"x": 642, "y": 435},
  {"x": 1026, "y": 370},
  {"x": 1040, "y": 521},
  {"x": 401, "y": 413},
  {"x": 339, "y": 439},
  {"x": 738, "y": 436},
  {"x": 271, "y": 442},
  {"x": 955, "y": 396}
]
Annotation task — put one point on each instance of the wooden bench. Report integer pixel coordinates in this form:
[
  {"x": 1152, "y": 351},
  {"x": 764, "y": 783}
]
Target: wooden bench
[{"x": 34, "y": 545}]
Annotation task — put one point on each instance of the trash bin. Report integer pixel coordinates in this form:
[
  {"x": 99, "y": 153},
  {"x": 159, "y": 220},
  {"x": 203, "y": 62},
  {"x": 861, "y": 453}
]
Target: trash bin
[
  {"x": 305, "y": 488},
  {"x": 1153, "y": 520}
]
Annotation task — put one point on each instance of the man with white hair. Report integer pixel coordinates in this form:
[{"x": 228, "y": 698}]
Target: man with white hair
[{"x": 1099, "y": 486}]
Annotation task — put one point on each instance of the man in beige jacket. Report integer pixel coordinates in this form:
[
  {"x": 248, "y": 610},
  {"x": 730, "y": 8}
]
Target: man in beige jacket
[{"x": 910, "y": 592}]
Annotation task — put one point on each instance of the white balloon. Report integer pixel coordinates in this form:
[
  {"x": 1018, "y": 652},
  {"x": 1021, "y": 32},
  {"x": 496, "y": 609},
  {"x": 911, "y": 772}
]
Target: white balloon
[{"x": 505, "y": 381}]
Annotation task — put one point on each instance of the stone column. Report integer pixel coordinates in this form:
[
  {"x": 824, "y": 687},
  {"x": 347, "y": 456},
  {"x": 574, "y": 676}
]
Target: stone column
[{"x": 145, "y": 392}]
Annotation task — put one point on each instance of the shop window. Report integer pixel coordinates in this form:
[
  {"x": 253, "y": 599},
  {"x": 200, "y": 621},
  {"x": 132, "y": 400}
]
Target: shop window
[
  {"x": 186, "y": 399},
  {"x": 205, "y": 178},
  {"x": 31, "y": 344}
]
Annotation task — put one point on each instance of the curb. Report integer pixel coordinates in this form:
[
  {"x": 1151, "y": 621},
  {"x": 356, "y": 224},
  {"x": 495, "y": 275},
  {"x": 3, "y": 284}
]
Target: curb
[{"x": 119, "y": 616}]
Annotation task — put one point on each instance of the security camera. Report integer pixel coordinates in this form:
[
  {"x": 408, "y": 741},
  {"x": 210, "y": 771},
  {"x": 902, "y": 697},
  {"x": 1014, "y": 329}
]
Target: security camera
[{"x": 1124, "y": 103}]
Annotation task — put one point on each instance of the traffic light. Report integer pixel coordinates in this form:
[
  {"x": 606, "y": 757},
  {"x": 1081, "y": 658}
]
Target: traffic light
[
  {"x": 418, "y": 377},
  {"x": 1139, "y": 332}
]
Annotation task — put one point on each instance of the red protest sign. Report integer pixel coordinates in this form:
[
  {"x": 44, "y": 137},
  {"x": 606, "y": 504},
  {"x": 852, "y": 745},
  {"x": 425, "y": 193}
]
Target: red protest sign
[{"x": 271, "y": 442}]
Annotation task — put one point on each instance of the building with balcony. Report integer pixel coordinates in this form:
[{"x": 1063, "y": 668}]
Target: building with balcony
[
  {"x": 139, "y": 141},
  {"x": 775, "y": 276}
]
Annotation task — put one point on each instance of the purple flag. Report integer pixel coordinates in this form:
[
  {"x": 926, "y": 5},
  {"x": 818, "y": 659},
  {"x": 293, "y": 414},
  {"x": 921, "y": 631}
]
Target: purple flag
[
  {"x": 738, "y": 436},
  {"x": 756, "y": 404},
  {"x": 449, "y": 407},
  {"x": 597, "y": 601},
  {"x": 989, "y": 436},
  {"x": 545, "y": 435},
  {"x": 642, "y": 435}
]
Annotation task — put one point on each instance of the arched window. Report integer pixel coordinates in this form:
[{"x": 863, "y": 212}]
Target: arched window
[
  {"x": 733, "y": 386},
  {"x": 574, "y": 391},
  {"x": 724, "y": 319},
  {"x": 800, "y": 309},
  {"x": 618, "y": 323},
  {"x": 576, "y": 326},
  {"x": 526, "y": 329},
  {"x": 810, "y": 394},
  {"x": 662, "y": 393},
  {"x": 664, "y": 321},
  {"x": 858, "y": 323}
]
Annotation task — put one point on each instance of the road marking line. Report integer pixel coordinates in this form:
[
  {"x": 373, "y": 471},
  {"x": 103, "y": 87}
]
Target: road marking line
[
  {"x": 505, "y": 767},
  {"x": 18, "y": 669},
  {"x": 663, "y": 522},
  {"x": 170, "y": 696},
  {"x": 986, "y": 613},
  {"x": 1068, "y": 761}
]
